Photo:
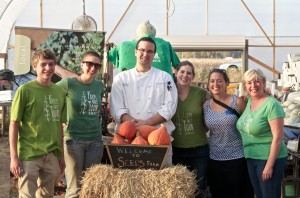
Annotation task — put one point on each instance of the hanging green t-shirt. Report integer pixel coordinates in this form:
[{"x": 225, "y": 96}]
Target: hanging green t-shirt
[
  {"x": 40, "y": 110},
  {"x": 256, "y": 131},
  {"x": 123, "y": 56},
  {"x": 188, "y": 120},
  {"x": 83, "y": 103}
]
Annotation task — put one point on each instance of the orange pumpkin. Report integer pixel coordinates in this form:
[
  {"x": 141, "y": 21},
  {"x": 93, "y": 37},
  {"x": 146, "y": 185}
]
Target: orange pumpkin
[
  {"x": 145, "y": 130},
  {"x": 159, "y": 137},
  {"x": 127, "y": 129},
  {"x": 139, "y": 140},
  {"x": 118, "y": 139}
]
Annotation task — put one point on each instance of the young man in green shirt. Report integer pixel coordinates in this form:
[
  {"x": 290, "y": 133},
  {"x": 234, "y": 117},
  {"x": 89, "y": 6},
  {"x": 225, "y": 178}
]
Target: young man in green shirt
[{"x": 35, "y": 132}]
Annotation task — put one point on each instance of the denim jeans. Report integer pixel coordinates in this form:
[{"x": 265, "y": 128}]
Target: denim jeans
[
  {"x": 270, "y": 188},
  {"x": 39, "y": 176},
  {"x": 195, "y": 159},
  {"x": 79, "y": 156}
]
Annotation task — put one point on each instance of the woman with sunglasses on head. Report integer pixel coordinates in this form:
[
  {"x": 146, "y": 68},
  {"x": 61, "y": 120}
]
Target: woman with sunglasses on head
[
  {"x": 261, "y": 127},
  {"x": 190, "y": 144},
  {"x": 83, "y": 145},
  {"x": 227, "y": 168}
]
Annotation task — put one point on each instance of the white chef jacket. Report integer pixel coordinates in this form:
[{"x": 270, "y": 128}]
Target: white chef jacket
[{"x": 143, "y": 95}]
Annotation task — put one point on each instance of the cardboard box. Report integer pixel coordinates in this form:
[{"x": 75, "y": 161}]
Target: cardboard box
[
  {"x": 293, "y": 145},
  {"x": 6, "y": 96}
]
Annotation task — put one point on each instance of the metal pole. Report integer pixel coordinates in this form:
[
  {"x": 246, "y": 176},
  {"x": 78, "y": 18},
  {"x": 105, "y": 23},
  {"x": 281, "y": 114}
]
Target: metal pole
[
  {"x": 167, "y": 17},
  {"x": 83, "y": 5},
  {"x": 206, "y": 21},
  {"x": 41, "y": 13},
  {"x": 102, "y": 15},
  {"x": 257, "y": 22},
  {"x": 274, "y": 35},
  {"x": 119, "y": 21}
]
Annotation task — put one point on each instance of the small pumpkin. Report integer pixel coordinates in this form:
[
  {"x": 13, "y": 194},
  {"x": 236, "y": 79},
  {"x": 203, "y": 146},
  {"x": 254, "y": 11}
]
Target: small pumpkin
[
  {"x": 145, "y": 130},
  {"x": 118, "y": 140},
  {"x": 159, "y": 136},
  {"x": 127, "y": 129},
  {"x": 139, "y": 140}
]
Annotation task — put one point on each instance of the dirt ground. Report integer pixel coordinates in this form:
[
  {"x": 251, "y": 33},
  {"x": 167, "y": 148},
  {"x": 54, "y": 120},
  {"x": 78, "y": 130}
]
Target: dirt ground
[
  {"x": 8, "y": 184},
  {"x": 4, "y": 168}
]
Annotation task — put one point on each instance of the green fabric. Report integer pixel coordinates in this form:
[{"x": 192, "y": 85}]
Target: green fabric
[
  {"x": 83, "y": 103},
  {"x": 188, "y": 120},
  {"x": 256, "y": 132},
  {"x": 123, "y": 56},
  {"x": 40, "y": 110}
]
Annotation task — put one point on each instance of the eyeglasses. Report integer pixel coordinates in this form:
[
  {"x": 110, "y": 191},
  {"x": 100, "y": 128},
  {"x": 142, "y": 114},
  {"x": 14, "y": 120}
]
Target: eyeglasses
[
  {"x": 90, "y": 64},
  {"x": 146, "y": 51}
]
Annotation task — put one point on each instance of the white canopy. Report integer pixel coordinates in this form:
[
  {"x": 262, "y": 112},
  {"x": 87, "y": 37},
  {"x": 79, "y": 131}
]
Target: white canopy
[{"x": 269, "y": 26}]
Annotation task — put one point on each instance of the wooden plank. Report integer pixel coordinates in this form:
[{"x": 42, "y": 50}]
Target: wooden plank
[{"x": 263, "y": 65}]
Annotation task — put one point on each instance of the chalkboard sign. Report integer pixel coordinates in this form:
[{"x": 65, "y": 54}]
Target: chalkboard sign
[{"x": 136, "y": 156}]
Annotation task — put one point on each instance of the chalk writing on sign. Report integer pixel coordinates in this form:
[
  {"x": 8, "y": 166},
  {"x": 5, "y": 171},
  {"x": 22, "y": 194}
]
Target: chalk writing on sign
[{"x": 136, "y": 156}]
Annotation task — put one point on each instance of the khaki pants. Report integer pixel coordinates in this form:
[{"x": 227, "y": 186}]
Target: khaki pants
[{"x": 38, "y": 177}]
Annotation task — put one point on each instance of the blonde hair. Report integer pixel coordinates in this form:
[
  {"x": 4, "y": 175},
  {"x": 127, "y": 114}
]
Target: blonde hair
[{"x": 254, "y": 74}]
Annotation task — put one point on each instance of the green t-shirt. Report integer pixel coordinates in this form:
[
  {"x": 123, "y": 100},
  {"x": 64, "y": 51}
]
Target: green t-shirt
[
  {"x": 40, "y": 111},
  {"x": 188, "y": 120},
  {"x": 123, "y": 56},
  {"x": 256, "y": 132},
  {"x": 83, "y": 103}
]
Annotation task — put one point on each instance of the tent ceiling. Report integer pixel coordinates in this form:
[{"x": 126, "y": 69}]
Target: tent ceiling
[
  {"x": 204, "y": 19},
  {"x": 9, "y": 11}
]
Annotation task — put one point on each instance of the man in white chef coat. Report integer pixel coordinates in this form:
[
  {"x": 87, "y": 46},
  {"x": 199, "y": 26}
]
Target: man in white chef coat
[{"x": 144, "y": 94}]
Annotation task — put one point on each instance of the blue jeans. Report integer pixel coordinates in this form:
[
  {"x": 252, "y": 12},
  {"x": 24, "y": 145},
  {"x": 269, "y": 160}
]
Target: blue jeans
[
  {"x": 195, "y": 159},
  {"x": 79, "y": 156},
  {"x": 270, "y": 188}
]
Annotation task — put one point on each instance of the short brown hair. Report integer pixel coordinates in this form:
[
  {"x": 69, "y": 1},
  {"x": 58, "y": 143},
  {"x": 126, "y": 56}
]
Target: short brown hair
[
  {"x": 42, "y": 55},
  {"x": 147, "y": 39},
  {"x": 92, "y": 53}
]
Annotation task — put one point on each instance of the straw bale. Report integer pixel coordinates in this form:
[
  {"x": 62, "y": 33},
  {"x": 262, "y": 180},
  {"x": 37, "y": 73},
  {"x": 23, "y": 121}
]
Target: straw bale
[{"x": 107, "y": 182}]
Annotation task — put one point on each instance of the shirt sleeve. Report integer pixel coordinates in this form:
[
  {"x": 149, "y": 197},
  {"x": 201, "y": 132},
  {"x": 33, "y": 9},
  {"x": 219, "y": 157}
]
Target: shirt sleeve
[
  {"x": 168, "y": 108},
  {"x": 174, "y": 58},
  {"x": 275, "y": 111},
  {"x": 117, "y": 105},
  {"x": 63, "y": 83},
  {"x": 17, "y": 108},
  {"x": 113, "y": 56}
]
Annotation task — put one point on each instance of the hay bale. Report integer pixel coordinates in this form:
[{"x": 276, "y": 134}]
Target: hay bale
[{"x": 106, "y": 182}]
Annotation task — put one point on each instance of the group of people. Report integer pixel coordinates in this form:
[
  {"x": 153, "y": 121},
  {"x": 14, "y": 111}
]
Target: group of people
[
  {"x": 55, "y": 128},
  {"x": 57, "y": 125}
]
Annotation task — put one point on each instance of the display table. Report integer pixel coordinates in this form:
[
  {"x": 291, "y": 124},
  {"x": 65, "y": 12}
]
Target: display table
[
  {"x": 291, "y": 178},
  {"x": 4, "y": 111}
]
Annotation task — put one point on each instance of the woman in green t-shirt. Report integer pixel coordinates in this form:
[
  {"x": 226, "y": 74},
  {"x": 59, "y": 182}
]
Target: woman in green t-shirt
[
  {"x": 261, "y": 127},
  {"x": 190, "y": 144},
  {"x": 83, "y": 145}
]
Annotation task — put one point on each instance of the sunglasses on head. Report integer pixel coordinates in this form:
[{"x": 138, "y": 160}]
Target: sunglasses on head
[
  {"x": 90, "y": 64},
  {"x": 217, "y": 70}
]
